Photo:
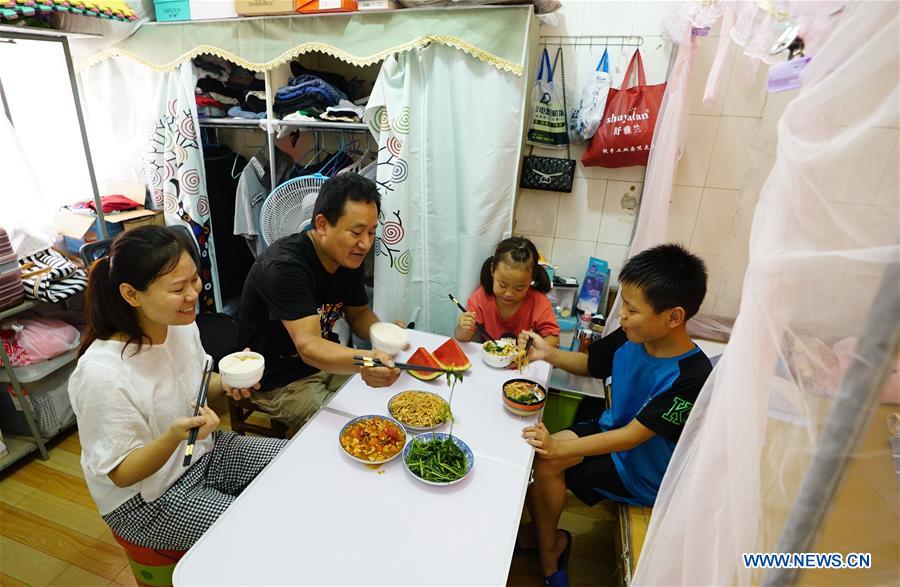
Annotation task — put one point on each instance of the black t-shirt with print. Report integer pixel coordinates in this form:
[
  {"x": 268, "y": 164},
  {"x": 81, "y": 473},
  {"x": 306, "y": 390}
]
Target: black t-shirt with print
[
  {"x": 288, "y": 282},
  {"x": 667, "y": 413}
]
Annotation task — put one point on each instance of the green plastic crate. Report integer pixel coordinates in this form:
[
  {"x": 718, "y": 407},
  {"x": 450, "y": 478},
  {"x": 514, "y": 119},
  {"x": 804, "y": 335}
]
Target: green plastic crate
[{"x": 559, "y": 410}]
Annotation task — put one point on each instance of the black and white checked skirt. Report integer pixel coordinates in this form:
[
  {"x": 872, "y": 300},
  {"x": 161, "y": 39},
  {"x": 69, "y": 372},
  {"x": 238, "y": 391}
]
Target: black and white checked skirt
[{"x": 177, "y": 518}]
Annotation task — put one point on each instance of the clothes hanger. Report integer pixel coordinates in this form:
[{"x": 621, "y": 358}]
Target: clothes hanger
[
  {"x": 244, "y": 145},
  {"x": 328, "y": 169}
]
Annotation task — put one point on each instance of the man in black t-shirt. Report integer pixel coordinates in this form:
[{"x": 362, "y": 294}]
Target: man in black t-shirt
[{"x": 298, "y": 289}]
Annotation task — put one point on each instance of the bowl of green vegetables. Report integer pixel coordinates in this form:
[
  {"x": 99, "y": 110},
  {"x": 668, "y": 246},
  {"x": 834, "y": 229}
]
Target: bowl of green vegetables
[{"x": 437, "y": 458}]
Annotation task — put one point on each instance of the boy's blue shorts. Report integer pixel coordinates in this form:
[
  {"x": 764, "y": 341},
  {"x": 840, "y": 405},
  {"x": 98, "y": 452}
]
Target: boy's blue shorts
[{"x": 594, "y": 473}]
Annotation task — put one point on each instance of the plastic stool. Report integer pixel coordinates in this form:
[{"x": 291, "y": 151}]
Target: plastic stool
[{"x": 152, "y": 567}]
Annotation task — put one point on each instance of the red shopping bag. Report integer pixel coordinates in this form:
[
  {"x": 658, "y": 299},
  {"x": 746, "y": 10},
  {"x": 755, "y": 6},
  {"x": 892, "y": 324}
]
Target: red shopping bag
[{"x": 623, "y": 138}]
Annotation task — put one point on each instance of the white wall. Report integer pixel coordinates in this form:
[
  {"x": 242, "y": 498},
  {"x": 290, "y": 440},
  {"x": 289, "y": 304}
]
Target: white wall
[
  {"x": 729, "y": 149},
  {"x": 592, "y": 221}
]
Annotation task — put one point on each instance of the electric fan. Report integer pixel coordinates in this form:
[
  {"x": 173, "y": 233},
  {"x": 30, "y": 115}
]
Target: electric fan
[{"x": 284, "y": 211}]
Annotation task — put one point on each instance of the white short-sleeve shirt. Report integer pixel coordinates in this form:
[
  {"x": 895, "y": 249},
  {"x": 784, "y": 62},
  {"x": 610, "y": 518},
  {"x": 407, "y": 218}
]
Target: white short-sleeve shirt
[{"x": 124, "y": 400}]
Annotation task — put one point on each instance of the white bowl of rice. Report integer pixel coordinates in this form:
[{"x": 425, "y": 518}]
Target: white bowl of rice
[
  {"x": 242, "y": 370},
  {"x": 388, "y": 338}
]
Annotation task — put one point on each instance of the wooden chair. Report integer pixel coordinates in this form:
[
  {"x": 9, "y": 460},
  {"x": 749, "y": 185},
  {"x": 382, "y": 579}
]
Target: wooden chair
[
  {"x": 633, "y": 523},
  {"x": 241, "y": 410}
]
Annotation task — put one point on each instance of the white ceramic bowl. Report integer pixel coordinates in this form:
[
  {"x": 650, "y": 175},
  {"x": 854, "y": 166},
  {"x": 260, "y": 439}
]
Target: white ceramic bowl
[
  {"x": 388, "y": 337},
  {"x": 242, "y": 370},
  {"x": 498, "y": 361}
]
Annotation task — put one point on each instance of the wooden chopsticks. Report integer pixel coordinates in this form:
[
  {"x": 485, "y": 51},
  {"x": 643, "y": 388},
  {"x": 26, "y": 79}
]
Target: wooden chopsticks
[
  {"x": 524, "y": 362},
  {"x": 362, "y": 361},
  {"x": 201, "y": 399}
]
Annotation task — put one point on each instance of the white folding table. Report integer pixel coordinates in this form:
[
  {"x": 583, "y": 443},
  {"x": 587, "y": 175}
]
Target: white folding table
[{"x": 330, "y": 520}]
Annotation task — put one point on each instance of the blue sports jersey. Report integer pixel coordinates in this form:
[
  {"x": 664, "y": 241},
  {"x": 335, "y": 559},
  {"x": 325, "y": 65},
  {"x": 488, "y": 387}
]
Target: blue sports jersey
[{"x": 659, "y": 393}]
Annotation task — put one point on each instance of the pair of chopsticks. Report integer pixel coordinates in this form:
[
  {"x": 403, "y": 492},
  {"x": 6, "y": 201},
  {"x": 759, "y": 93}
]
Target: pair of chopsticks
[
  {"x": 362, "y": 361},
  {"x": 201, "y": 399},
  {"x": 484, "y": 334},
  {"x": 524, "y": 362}
]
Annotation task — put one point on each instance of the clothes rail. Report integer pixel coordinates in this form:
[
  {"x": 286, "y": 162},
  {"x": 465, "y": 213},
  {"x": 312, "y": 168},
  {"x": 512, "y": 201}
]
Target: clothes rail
[
  {"x": 233, "y": 123},
  {"x": 264, "y": 124},
  {"x": 592, "y": 41}
]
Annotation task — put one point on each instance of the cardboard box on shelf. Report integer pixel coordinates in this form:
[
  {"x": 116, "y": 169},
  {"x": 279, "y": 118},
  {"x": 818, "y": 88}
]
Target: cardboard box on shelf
[
  {"x": 78, "y": 229},
  {"x": 378, "y": 5},
  {"x": 212, "y": 9},
  {"x": 264, "y": 7},
  {"x": 318, "y": 6}
]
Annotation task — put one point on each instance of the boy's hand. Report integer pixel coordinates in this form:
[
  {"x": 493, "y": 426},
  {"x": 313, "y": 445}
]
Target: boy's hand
[
  {"x": 380, "y": 376},
  {"x": 466, "y": 322},
  {"x": 539, "y": 351},
  {"x": 543, "y": 442}
]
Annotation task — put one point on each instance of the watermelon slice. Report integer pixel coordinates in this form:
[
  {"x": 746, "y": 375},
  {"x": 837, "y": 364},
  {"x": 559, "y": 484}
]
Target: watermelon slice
[
  {"x": 451, "y": 356},
  {"x": 426, "y": 359}
]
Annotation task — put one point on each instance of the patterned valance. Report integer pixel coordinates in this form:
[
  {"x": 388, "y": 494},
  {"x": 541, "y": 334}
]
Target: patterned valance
[{"x": 493, "y": 35}]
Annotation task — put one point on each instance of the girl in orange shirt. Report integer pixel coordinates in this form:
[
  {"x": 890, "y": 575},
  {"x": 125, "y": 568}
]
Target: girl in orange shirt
[{"x": 511, "y": 297}]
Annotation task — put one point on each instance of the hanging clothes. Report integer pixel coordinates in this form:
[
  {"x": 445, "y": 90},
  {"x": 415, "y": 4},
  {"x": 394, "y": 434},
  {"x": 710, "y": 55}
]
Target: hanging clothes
[
  {"x": 253, "y": 186},
  {"x": 235, "y": 258}
]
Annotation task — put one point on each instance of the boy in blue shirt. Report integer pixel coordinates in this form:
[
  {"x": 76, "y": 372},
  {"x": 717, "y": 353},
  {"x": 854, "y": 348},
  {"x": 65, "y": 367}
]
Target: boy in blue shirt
[{"x": 656, "y": 374}]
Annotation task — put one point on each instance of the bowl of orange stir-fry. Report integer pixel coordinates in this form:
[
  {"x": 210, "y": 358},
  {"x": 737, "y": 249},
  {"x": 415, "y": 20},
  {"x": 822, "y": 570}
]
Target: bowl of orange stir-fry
[{"x": 372, "y": 440}]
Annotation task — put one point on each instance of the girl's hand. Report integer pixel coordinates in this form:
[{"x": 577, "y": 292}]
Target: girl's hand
[
  {"x": 466, "y": 323},
  {"x": 540, "y": 438},
  {"x": 207, "y": 421},
  {"x": 236, "y": 394},
  {"x": 539, "y": 351},
  {"x": 212, "y": 422}
]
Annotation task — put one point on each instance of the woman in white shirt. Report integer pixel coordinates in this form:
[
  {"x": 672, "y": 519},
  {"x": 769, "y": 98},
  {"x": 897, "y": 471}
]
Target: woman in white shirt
[{"x": 133, "y": 392}]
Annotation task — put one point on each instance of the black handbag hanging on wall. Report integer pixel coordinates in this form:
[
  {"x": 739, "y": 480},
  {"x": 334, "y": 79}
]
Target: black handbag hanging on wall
[{"x": 553, "y": 174}]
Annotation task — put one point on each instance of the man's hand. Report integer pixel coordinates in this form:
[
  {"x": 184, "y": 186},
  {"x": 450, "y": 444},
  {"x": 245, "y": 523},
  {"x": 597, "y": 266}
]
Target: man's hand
[{"x": 380, "y": 376}]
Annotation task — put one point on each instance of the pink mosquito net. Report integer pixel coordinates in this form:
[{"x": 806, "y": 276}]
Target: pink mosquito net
[{"x": 788, "y": 448}]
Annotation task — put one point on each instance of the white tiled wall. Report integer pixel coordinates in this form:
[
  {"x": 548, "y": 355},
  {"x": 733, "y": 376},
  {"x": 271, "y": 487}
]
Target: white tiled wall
[
  {"x": 597, "y": 218},
  {"x": 728, "y": 152}
]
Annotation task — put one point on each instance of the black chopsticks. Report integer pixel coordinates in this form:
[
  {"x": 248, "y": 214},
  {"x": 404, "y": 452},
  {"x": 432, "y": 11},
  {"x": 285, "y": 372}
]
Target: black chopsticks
[
  {"x": 484, "y": 334},
  {"x": 201, "y": 399},
  {"x": 362, "y": 361}
]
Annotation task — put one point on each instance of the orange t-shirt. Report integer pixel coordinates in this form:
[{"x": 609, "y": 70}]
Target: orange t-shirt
[{"x": 535, "y": 313}]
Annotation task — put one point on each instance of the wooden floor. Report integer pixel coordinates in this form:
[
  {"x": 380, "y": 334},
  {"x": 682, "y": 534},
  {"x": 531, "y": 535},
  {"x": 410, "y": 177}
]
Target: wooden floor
[{"x": 52, "y": 534}]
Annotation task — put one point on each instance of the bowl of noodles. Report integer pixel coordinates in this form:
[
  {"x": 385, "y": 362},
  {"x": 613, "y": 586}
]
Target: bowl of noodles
[
  {"x": 419, "y": 411},
  {"x": 499, "y": 354},
  {"x": 523, "y": 397},
  {"x": 372, "y": 440}
]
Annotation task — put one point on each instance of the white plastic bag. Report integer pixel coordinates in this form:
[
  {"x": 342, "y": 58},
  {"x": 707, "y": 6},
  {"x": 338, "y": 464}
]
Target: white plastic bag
[
  {"x": 587, "y": 115},
  {"x": 549, "y": 125}
]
